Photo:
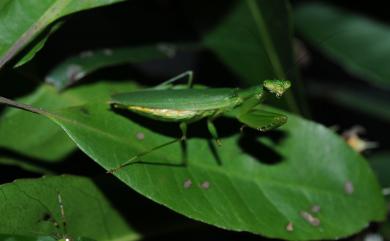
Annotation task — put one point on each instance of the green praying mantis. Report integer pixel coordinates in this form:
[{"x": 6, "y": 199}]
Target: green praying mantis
[{"x": 187, "y": 104}]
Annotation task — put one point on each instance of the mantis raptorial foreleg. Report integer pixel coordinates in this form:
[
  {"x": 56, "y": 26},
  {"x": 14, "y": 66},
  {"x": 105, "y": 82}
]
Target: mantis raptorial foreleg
[{"x": 262, "y": 120}]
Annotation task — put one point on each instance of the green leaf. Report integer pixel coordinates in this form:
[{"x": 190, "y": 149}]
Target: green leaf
[
  {"x": 255, "y": 40},
  {"x": 10, "y": 237},
  {"x": 39, "y": 45},
  {"x": 21, "y": 21},
  {"x": 30, "y": 208},
  {"x": 45, "y": 140},
  {"x": 32, "y": 167},
  {"x": 245, "y": 192},
  {"x": 77, "y": 67},
  {"x": 357, "y": 43}
]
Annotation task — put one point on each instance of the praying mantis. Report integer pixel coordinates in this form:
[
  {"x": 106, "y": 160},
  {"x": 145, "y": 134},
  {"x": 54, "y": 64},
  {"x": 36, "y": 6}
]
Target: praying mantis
[{"x": 188, "y": 104}]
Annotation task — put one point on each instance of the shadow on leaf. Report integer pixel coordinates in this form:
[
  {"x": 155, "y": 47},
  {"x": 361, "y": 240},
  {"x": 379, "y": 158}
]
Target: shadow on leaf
[{"x": 250, "y": 144}]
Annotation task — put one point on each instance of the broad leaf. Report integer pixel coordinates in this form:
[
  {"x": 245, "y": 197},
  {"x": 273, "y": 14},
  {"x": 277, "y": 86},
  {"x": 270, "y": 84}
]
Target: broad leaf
[
  {"x": 45, "y": 140},
  {"x": 254, "y": 39},
  {"x": 32, "y": 167},
  {"x": 358, "y": 43},
  {"x": 39, "y": 45},
  {"x": 11, "y": 237},
  {"x": 21, "y": 21},
  {"x": 32, "y": 207},
  {"x": 77, "y": 67},
  {"x": 262, "y": 183}
]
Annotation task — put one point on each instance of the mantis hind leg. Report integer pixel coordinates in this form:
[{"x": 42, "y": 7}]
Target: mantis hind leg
[
  {"x": 132, "y": 160},
  {"x": 185, "y": 75}
]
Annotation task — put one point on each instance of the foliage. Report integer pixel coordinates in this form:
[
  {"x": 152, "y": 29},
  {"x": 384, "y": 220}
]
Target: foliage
[{"x": 293, "y": 183}]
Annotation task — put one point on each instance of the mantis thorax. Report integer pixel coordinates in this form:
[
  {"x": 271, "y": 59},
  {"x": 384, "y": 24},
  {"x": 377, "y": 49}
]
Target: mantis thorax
[{"x": 255, "y": 91}]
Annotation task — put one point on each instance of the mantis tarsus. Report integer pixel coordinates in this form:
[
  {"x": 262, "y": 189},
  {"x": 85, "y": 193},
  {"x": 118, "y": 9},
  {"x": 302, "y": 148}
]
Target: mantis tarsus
[{"x": 187, "y": 104}]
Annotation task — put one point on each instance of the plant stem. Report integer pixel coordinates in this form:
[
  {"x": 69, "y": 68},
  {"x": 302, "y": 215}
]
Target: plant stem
[{"x": 21, "y": 106}]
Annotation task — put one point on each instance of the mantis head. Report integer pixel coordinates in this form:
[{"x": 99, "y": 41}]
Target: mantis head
[{"x": 277, "y": 87}]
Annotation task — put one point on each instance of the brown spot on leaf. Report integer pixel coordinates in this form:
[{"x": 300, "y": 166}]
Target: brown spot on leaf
[
  {"x": 86, "y": 54},
  {"x": 315, "y": 208},
  {"x": 205, "y": 185},
  {"x": 74, "y": 72},
  {"x": 290, "y": 227},
  {"x": 107, "y": 52},
  {"x": 348, "y": 187},
  {"x": 310, "y": 218},
  {"x": 168, "y": 49},
  {"x": 140, "y": 136},
  {"x": 187, "y": 183}
]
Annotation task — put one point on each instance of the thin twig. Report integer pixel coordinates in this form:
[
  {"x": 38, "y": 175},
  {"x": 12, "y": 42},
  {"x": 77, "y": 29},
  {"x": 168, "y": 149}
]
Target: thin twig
[{"x": 22, "y": 106}]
